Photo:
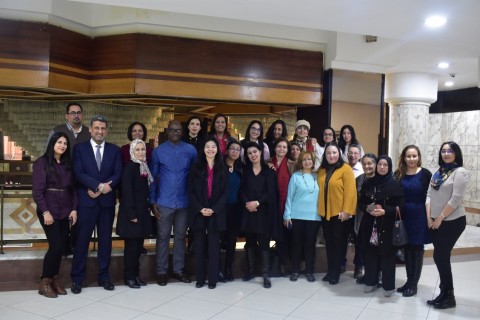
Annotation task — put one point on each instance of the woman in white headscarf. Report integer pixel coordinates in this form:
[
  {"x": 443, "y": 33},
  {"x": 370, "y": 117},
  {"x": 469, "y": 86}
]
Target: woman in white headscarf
[{"x": 134, "y": 220}]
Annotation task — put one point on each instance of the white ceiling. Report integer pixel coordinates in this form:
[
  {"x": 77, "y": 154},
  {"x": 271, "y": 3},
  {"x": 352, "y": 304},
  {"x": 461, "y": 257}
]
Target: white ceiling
[{"x": 337, "y": 28}]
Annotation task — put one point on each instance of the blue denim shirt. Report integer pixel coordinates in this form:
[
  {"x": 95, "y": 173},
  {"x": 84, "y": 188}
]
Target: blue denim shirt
[{"x": 170, "y": 168}]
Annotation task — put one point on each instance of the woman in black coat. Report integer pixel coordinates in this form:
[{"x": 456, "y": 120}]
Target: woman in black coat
[
  {"x": 134, "y": 221},
  {"x": 379, "y": 198},
  {"x": 262, "y": 219},
  {"x": 208, "y": 190}
]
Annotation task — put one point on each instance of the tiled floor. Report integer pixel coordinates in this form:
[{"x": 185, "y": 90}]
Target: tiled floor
[{"x": 249, "y": 300}]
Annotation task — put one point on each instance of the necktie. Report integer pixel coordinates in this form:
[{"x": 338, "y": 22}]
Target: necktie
[{"x": 98, "y": 157}]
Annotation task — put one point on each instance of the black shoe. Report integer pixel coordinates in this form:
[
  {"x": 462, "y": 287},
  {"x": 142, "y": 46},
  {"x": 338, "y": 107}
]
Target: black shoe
[
  {"x": 182, "y": 277},
  {"x": 106, "y": 284},
  {"x": 199, "y": 284},
  {"x": 360, "y": 280},
  {"x": 212, "y": 285},
  {"x": 132, "y": 284},
  {"x": 162, "y": 280},
  {"x": 228, "y": 275},
  {"x": 358, "y": 273},
  {"x": 76, "y": 288},
  {"x": 294, "y": 276},
  {"x": 409, "y": 292},
  {"x": 326, "y": 278},
  {"x": 403, "y": 288},
  {"x": 333, "y": 281},
  {"x": 221, "y": 277},
  {"x": 140, "y": 282},
  {"x": 310, "y": 277}
]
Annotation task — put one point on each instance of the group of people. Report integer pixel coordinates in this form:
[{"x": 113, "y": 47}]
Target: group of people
[{"x": 265, "y": 188}]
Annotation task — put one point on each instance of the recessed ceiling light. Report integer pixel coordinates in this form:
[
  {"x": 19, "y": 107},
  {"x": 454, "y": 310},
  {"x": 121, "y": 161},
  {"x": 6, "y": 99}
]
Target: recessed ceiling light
[
  {"x": 435, "y": 21},
  {"x": 443, "y": 65},
  {"x": 448, "y": 83}
]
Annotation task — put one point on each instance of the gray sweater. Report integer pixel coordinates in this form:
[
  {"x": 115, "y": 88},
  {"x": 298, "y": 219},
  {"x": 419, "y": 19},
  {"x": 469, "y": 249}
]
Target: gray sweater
[{"x": 451, "y": 192}]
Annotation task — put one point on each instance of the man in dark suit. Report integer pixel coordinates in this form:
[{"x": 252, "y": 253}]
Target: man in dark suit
[{"x": 98, "y": 168}]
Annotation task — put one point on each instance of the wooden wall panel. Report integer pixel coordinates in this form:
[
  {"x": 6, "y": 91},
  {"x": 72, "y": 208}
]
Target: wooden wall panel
[{"x": 157, "y": 65}]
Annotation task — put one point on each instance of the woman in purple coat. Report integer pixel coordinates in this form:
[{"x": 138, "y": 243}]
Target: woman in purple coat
[{"x": 53, "y": 189}]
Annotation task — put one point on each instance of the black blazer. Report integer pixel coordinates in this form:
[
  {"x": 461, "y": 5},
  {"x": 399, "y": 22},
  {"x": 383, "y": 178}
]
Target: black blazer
[
  {"x": 198, "y": 192},
  {"x": 134, "y": 204}
]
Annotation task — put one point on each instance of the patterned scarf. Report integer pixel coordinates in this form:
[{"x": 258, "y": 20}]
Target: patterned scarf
[
  {"x": 144, "y": 171},
  {"x": 442, "y": 174}
]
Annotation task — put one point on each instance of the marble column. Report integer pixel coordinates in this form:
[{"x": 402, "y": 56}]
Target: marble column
[{"x": 409, "y": 96}]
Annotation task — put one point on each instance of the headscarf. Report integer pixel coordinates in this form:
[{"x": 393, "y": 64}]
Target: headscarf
[
  {"x": 144, "y": 171},
  {"x": 442, "y": 174},
  {"x": 382, "y": 184}
]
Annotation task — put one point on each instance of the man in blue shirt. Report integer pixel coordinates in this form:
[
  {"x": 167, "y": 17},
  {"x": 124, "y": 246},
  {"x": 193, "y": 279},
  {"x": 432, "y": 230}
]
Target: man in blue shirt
[{"x": 170, "y": 167}]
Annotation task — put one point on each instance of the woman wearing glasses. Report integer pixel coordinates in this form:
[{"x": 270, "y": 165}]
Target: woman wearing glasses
[
  {"x": 301, "y": 215},
  {"x": 254, "y": 133},
  {"x": 235, "y": 175},
  {"x": 446, "y": 216}
]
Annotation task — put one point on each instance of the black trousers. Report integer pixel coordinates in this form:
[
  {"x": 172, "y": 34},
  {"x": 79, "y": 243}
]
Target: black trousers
[
  {"x": 304, "y": 238},
  {"x": 444, "y": 238},
  {"x": 202, "y": 239},
  {"x": 336, "y": 234},
  {"x": 57, "y": 235},
  {"x": 131, "y": 257},
  {"x": 377, "y": 260},
  {"x": 230, "y": 234},
  {"x": 252, "y": 240}
]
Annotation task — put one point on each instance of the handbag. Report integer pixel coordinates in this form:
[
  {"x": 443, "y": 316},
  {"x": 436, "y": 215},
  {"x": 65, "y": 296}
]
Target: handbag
[
  {"x": 400, "y": 237},
  {"x": 374, "y": 236}
]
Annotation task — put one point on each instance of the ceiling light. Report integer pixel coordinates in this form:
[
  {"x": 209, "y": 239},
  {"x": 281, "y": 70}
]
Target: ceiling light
[
  {"x": 435, "y": 21},
  {"x": 443, "y": 65},
  {"x": 448, "y": 83}
]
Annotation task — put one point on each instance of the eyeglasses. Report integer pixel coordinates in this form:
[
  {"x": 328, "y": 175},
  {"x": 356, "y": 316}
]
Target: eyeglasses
[
  {"x": 234, "y": 149},
  {"x": 447, "y": 151},
  {"x": 73, "y": 113},
  {"x": 353, "y": 153},
  {"x": 328, "y": 134},
  {"x": 255, "y": 129}
]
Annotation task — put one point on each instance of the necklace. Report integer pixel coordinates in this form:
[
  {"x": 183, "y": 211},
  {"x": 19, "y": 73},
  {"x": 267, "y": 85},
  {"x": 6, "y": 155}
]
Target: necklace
[{"x": 306, "y": 185}]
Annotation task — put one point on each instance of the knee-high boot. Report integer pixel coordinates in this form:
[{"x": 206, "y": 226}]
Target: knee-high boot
[
  {"x": 250, "y": 256},
  {"x": 266, "y": 269},
  {"x": 408, "y": 268},
  {"x": 417, "y": 265}
]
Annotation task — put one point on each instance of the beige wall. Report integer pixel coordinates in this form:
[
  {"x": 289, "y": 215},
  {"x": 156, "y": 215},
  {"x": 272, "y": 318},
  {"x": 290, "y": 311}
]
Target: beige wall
[{"x": 364, "y": 118}]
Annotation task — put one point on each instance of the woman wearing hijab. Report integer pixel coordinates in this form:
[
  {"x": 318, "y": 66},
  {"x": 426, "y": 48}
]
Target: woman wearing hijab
[
  {"x": 379, "y": 198},
  {"x": 208, "y": 190},
  {"x": 337, "y": 202},
  {"x": 136, "y": 130},
  {"x": 446, "y": 216},
  {"x": 53, "y": 189},
  {"x": 134, "y": 221}
]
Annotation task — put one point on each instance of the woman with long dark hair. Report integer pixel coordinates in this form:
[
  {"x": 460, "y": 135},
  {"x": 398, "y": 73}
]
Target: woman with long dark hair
[
  {"x": 259, "y": 193},
  {"x": 254, "y": 133},
  {"x": 346, "y": 138},
  {"x": 379, "y": 198},
  {"x": 219, "y": 130},
  {"x": 415, "y": 181},
  {"x": 446, "y": 216},
  {"x": 193, "y": 133},
  {"x": 53, "y": 189},
  {"x": 337, "y": 201},
  {"x": 208, "y": 190},
  {"x": 134, "y": 222},
  {"x": 278, "y": 129},
  {"x": 235, "y": 175}
]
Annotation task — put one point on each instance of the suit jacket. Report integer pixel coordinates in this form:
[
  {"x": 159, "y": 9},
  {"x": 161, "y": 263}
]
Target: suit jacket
[
  {"x": 198, "y": 192},
  {"x": 89, "y": 177}
]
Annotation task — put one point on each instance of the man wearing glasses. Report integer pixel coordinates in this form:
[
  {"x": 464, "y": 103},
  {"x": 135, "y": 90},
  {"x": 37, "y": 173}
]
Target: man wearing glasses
[
  {"x": 74, "y": 128},
  {"x": 170, "y": 167}
]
